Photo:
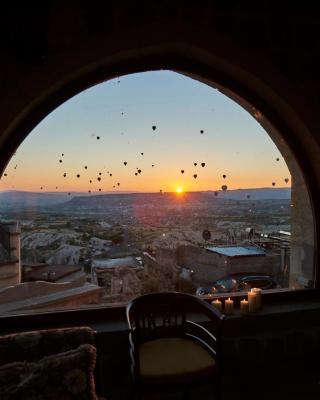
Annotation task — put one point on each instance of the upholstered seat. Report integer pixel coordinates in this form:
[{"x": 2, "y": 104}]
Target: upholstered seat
[{"x": 174, "y": 360}]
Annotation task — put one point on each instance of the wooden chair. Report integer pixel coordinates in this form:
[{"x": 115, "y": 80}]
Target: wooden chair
[{"x": 169, "y": 349}]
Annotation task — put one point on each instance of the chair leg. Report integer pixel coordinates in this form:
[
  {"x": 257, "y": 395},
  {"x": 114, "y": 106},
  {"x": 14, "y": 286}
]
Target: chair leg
[
  {"x": 185, "y": 394},
  {"x": 217, "y": 390},
  {"x": 136, "y": 393}
]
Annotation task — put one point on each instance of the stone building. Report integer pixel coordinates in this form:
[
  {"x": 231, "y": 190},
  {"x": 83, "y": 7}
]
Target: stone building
[
  {"x": 10, "y": 265},
  {"x": 212, "y": 263},
  {"x": 50, "y": 287}
]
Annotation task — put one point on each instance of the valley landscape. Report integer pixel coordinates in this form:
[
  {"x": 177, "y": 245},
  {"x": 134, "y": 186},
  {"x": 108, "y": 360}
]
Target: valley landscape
[{"x": 90, "y": 230}]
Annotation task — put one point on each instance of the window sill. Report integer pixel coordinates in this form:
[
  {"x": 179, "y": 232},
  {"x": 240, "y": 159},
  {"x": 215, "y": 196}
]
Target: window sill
[
  {"x": 279, "y": 311},
  {"x": 280, "y": 306}
]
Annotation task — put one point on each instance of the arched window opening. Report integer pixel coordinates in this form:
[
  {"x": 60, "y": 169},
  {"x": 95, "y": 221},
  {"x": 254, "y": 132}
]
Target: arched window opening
[{"x": 151, "y": 182}]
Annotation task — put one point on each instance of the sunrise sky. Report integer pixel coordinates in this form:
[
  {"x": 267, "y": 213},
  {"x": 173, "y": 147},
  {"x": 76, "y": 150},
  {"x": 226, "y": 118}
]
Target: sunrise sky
[{"x": 122, "y": 113}]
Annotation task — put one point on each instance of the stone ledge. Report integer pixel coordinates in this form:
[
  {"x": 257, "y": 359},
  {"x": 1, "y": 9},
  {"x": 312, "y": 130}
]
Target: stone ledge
[
  {"x": 6, "y": 262},
  {"x": 49, "y": 300},
  {"x": 28, "y": 290}
]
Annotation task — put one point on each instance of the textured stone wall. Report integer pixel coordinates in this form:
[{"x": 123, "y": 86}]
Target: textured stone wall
[
  {"x": 9, "y": 273},
  {"x": 261, "y": 350}
]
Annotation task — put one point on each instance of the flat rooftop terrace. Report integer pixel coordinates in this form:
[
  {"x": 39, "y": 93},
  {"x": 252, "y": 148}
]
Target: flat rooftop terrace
[{"x": 237, "y": 251}]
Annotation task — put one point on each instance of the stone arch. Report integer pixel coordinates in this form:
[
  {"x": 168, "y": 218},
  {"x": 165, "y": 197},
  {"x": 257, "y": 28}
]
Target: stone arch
[{"x": 197, "y": 52}]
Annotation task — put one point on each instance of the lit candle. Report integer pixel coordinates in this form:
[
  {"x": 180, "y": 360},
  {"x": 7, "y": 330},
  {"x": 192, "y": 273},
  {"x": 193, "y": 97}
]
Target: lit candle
[
  {"x": 217, "y": 304},
  {"x": 258, "y": 293},
  {"x": 252, "y": 301},
  {"x": 228, "y": 306},
  {"x": 244, "y": 306}
]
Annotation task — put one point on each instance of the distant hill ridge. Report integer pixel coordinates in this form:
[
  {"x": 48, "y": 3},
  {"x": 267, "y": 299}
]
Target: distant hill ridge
[
  {"x": 257, "y": 194},
  {"x": 145, "y": 199},
  {"x": 37, "y": 199}
]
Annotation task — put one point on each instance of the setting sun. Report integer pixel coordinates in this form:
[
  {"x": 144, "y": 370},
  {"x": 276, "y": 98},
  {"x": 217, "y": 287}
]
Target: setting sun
[{"x": 179, "y": 189}]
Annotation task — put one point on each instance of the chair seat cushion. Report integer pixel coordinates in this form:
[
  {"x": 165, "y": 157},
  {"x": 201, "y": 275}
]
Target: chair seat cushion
[{"x": 174, "y": 360}]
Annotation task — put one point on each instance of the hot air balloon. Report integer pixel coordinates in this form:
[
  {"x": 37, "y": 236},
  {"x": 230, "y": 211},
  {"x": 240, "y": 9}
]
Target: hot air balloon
[
  {"x": 206, "y": 234},
  {"x": 201, "y": 131},
  {"x": 125, "y": 163},
  {"x": 78, "y": 175},
  {"x": 195, "y": 176},
  {"x": 273, "y": 184},
  {"x": 224, "y": 176},
  {"x": 224, "y": 187},
  {"x": 203, "y": 164},
  {"x": 154, "y": 127},
  {"x": 182, "y": 171},
  {"x": 286, "y": 180}
]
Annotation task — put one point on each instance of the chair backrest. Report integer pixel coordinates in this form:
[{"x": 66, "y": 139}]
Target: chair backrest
[{"x": 159, "y": 315}]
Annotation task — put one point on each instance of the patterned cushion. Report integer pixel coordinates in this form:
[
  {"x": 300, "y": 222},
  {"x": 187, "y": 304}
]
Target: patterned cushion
[
  {"x": 65, "y": 376},
  {"x": 32, "y": 346},
  {"x": 174, "y": 360}
]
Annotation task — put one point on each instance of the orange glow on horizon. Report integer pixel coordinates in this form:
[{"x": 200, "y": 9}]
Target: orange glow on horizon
[{"x": 179, "y": 190}]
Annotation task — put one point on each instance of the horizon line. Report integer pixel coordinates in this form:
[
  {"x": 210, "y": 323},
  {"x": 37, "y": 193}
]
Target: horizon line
[{"x": 140, "y": 192}]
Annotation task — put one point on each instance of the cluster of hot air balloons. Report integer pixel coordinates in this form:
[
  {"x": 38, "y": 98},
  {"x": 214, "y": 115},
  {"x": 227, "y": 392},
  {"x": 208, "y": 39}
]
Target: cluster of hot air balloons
[
  {"x": 195, "y": 164},
  {"x": 224, "y": 187},
  {"x": 138, "y": 170}
]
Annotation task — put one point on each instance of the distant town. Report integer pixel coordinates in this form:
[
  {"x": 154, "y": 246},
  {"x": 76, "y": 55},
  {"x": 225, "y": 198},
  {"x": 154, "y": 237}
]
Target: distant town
[{"x": 61, "y": 250}]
